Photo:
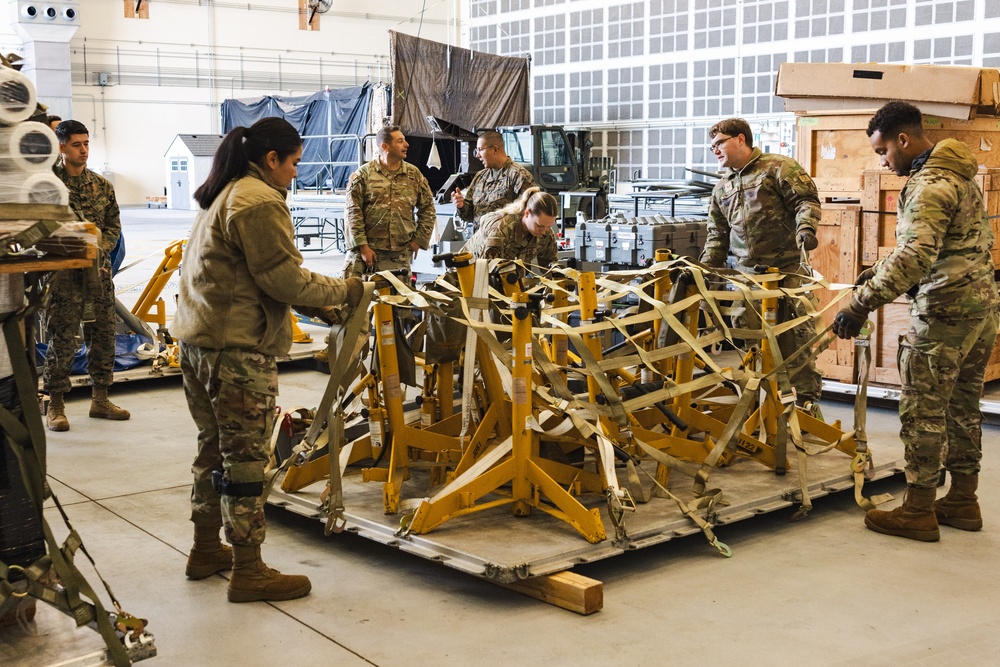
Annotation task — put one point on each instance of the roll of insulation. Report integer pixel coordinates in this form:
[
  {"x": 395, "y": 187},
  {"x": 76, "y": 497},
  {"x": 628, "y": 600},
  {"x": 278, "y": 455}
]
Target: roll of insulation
[
  {"x": 44, "y": 188},
  {"x": 17, "y": 97},
  {"x": 28, "y": 147}
]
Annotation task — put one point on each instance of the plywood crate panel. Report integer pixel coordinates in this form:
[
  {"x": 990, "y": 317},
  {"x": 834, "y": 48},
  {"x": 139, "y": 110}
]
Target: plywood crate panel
[
  {"x": 892, "y": 320},
  {"x": 837, "y": 259},
  {"x": 835, "y": 149},
  {"x": 878, "y": 201}
]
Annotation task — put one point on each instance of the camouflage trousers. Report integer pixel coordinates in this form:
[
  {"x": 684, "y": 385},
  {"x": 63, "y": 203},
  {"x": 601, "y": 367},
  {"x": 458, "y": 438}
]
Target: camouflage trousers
[
  {"x": 61, "y": 320},
  {"x": 231, "y": 396},
  {"x": 387, "y": 260},
  {"x": 941, "y": 369}
]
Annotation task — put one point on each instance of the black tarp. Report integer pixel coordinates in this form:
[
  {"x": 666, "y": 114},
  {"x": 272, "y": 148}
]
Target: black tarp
[
  {"x": 470, "y": 89},
  {"x": 316, "y": 117}
]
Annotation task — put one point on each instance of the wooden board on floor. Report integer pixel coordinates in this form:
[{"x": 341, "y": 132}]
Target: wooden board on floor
[{"x": 568, "y": 590}]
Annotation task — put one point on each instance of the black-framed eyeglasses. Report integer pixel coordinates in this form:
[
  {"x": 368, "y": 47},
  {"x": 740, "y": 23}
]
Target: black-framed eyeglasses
[{"x": 715, "y": 146}]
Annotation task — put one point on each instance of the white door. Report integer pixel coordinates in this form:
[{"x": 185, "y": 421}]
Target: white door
[{"x": 180, "y": 195}]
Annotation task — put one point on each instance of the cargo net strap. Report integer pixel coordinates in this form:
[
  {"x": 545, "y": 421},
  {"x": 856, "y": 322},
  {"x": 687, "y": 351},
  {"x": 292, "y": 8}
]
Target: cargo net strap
[
  {"x": 55, "y": 578},
  {"x": 608, "y": 423}
]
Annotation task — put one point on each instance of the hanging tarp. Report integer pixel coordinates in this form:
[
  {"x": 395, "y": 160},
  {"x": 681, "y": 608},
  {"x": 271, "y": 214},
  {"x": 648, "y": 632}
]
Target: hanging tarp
[
  {"x": 318, "y": 118},
  {"x": 470, "y": 89}
]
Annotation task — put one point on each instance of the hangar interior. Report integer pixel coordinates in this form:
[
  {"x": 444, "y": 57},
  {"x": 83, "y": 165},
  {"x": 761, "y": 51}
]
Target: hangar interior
[{"x": 644, "y": 80}]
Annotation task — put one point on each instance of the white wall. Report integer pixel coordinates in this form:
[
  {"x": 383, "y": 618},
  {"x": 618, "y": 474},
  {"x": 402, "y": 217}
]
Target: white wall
[{"x": 169, "y": 74}]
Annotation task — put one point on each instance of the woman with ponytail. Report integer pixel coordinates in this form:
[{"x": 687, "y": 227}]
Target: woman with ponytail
[
  {"x": 521, "y": 230},
  {"x": 241, "y": 274}
]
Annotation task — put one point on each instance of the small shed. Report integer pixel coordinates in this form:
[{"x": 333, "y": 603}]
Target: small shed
[{"x": 188, "y": 161}]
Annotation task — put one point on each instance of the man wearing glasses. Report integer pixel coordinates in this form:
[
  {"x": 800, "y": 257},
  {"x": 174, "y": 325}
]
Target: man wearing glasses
[
  {"x": 765, "y": 211},
  {"x": 500, "y": 182}
]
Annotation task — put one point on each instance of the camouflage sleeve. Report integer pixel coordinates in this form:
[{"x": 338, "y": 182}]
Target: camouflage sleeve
[
  {"x": 112, "y": 227},
  {"x": 548, "y": 249},
  {"x": 468, "y": 211},
  {"x": 717, "y": 242},
  {"x": 426, "y": 214},
  {"x": 923, "y": 223},
  {"x": 800, "y": 195},
  {"x": 355, "y": 213},
  {"x": 265, "y": 235},
  {"x": 523, "y": 181}
]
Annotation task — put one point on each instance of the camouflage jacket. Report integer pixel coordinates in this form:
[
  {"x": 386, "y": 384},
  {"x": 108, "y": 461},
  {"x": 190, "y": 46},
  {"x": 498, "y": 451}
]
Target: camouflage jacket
[
  {"x": 492, "y": 189},
  {"x": 242, "y": 271},
  {"x": 93, "y": 197},
  {"x": 503, "y": 236},
  {"x": 943, "y": 241},
  {"x": 380, "y": 206},
  {"x": 756, "y": 213}
]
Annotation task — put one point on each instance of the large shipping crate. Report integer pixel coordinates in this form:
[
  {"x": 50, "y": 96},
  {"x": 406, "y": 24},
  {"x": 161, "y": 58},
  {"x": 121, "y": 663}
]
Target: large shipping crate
[{"x": 835, "y": 149}]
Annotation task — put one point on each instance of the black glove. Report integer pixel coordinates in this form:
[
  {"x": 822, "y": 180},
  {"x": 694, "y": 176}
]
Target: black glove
[
  {"x": 865, "y": 276},
  {"x": 849, "y": 321},
  {"x": 807, "y": 239}
]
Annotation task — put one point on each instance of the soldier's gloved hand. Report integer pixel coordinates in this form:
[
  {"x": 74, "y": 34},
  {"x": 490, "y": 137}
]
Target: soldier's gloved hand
[
  {"x": 331, "y": 315},
  {"x": 807, "y": 239},
  {"x": 849, "y": 321},
  {"x": 864, "y": 276},
  {"x": 355, "y": 290}
]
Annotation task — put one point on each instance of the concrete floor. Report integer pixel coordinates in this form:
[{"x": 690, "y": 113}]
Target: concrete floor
[{"x": 824, "y": 591}]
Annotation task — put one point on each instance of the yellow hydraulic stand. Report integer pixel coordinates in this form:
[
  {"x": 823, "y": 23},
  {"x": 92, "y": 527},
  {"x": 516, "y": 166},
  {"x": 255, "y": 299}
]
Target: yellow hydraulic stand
[
  {"x": 495, "y": 422},
  {"x": 405, "y": 442},
  {"x": 530, "y": 477},
  {"x": 150, "y": 297},
  {"x": 777, "y": 411}
]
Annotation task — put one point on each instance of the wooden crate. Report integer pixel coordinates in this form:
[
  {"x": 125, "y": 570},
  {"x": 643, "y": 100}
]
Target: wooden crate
[
  {"x": 837, "y": 259},
  {"x": 835, "y": 149},
  {"x": 878, "y": 202},
  {"x": 891, "y": 320}
]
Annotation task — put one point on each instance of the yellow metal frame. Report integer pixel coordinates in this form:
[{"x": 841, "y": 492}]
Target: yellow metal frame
[{"x": 530, "y": 477}]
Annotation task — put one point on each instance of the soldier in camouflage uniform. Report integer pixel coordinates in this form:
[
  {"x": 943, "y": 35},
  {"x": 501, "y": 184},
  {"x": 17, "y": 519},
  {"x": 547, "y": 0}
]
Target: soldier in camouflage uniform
[
  {"x": 522, "y": 230},
  {"x": 242, "y": 271},
  {"x": 93, "y": 198},
  {"x": 942, "y": 261},
  {"x": 500, "y": 183},
  {"x": 765, "y": 210},
  {"x": 382, "y": 233}
]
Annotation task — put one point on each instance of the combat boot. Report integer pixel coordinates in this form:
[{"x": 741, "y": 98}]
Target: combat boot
[
  {"x": 914, "y": 519},
  {"x": 55, "y": 416},
  {"x": 208, "y": 555},
  {"x": 102, "y": 408},
  {"x": 252, "y": 580},
  {"x": 960, "y": 508}
]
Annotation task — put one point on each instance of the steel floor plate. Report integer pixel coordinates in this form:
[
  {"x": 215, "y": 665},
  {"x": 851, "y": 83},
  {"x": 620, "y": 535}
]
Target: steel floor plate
[{"x": 496, "y": 545}]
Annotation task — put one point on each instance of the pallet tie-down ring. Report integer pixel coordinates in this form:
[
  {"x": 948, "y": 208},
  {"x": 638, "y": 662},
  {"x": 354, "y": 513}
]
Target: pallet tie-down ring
[{"x": 444, "y": 302}]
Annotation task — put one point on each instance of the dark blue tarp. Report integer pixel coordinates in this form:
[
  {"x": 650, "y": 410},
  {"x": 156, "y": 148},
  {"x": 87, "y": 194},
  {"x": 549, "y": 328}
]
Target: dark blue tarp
[{"x": 331, "y": 112}]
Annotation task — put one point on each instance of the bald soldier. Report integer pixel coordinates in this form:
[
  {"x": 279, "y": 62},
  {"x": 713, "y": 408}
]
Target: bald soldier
[
  {"x": 390, "y": 210},
  {"x": 499, "y": 183},
  {"x": 521, "y": 230}
]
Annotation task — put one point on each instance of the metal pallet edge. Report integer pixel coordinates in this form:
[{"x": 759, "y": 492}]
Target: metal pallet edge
[{"x": 427, "y": 547}]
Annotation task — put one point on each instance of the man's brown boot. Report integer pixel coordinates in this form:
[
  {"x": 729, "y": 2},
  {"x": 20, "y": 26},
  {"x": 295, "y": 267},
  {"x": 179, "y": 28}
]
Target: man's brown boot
[
  {"x": 102, "y": 408},
  {"x": 208, "y": 555},
  {"x": 960, "y": 508},
  {"x": 253, "y": 581},
  {"x": 914, "y": 519},
  {"x": 55, "y": 417}
]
